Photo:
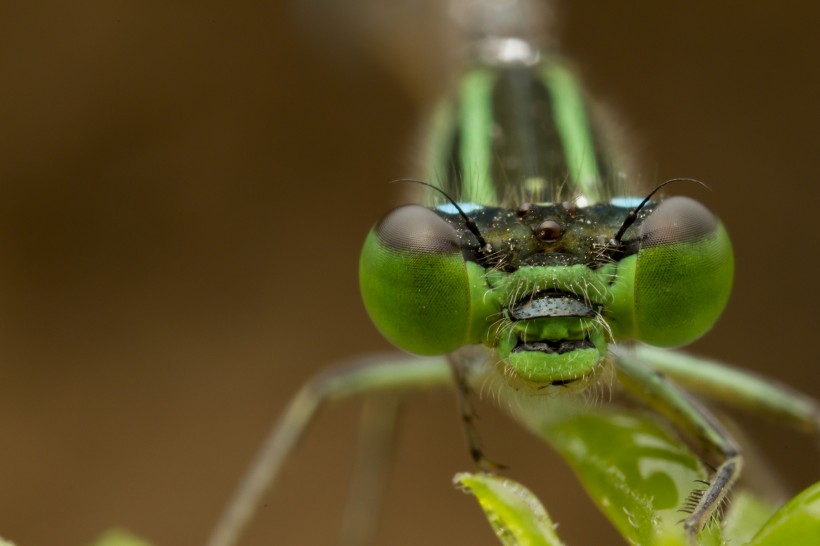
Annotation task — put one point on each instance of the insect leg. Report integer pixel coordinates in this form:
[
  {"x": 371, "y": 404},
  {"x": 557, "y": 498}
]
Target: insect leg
[
  {"x": 735, "y": 387},
  {"x": 459, "y": 366},
  {"x": 653, "y": 388},
  {"x": 363, "y": 377},
  {"x": 372, "y": 462}
]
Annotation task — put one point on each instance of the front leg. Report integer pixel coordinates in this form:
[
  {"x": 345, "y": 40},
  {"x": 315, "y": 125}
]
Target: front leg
[
  {"x": 663, "y": 396},
  {"x": 364, "y": 377},
  {"x": 732, "y": 386},
  {"x": 460, "y": 365}
]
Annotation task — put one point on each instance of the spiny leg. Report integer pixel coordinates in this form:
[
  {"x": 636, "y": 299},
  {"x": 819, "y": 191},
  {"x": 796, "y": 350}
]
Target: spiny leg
[
  {"x": 368, "y": 481},
  {"x": 663, "y": 396},
  {"x": 363, "y": 377},
  {"x": 459, "y": 367}
]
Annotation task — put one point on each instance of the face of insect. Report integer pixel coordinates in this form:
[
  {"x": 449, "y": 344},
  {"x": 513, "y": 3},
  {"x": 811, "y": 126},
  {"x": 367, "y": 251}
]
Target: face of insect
[{"x": 548, "y": 291}]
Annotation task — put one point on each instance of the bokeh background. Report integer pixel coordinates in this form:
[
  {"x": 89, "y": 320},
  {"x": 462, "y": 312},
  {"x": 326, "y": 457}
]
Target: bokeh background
[{"x": 184, "y": 188}]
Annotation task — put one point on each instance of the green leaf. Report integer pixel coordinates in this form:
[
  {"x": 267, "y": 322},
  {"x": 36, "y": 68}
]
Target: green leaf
[
  {"x": 515, "y": 514},
  {"x": 637, "y": 473},
  {"x": 798, "y": 522},
  {"x": 746, "y": 513}
]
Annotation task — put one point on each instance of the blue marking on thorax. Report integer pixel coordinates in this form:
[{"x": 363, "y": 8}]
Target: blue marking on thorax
[
  {"x": 626, "y": 202},
  {"x": 449, "y": 208}
]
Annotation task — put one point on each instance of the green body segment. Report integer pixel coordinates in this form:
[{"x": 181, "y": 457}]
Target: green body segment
[
  {"x": 475, "y": 143},
  {"x": 540, "y": 278},
  {"x": 514, "y": 134},
  {"x": 576, "y": 136}
]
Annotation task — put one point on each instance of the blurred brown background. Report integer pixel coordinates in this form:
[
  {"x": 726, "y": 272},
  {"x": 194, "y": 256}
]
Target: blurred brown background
[{"x": 184, "y": 188}]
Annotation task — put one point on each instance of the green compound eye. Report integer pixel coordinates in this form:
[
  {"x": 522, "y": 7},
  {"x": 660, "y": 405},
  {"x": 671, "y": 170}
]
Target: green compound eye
[
  {"x": 682, "y": 273},
  {"x": 417, "y": 287}
]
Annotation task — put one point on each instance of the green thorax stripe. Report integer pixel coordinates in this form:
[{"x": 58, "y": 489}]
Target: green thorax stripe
[{"x": 516, "y": 134}]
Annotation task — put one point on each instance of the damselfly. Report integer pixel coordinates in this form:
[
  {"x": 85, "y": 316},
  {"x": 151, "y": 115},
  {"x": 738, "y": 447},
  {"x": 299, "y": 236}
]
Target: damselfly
[{"x": 530, "y": 249}]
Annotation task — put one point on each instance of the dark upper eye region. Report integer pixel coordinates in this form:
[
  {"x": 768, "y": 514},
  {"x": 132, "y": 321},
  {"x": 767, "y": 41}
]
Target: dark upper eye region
[
  {"x": 416, "y": 229},
  {"x": 677, "y": 220}
]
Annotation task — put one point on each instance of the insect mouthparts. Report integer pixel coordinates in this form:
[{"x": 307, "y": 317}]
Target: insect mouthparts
[{"x": 551, "y": 304}]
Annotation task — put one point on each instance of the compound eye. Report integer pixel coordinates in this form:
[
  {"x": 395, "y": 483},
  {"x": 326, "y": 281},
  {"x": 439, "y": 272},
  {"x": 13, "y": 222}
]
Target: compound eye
[
  {"x": 683, "y": 273},
  {"x": 414, "y": 281},
  {"x": 417, "y": 230},
  {"x": 677, "y": 220}
]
